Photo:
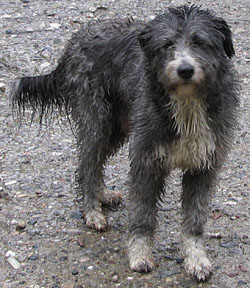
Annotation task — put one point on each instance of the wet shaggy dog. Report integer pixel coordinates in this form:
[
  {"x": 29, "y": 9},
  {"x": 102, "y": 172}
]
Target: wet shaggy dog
[{"x": 170, "y": 86}]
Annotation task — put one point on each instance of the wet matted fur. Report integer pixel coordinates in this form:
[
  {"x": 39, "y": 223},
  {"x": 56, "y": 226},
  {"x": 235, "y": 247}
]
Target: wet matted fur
[{"x": 170, "y": 85}]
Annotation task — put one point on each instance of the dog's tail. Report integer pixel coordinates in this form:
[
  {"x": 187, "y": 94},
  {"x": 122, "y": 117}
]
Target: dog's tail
[{"x": 42, "y": 94}]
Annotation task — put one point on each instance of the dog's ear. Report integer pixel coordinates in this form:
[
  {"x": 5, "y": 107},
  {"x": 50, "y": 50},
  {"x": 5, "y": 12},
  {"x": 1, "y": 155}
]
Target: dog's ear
[{"x": 224, "y": 29}]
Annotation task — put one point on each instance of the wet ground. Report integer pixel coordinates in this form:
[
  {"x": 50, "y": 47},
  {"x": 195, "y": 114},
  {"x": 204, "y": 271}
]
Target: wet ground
[{"x": 42, "y": 233}]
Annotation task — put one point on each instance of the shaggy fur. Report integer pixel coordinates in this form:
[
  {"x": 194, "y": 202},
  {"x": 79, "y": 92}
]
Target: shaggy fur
[{"x": 169, "y": 84}]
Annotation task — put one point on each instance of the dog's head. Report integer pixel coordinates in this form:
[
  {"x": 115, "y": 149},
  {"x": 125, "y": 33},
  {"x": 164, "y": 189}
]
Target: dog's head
[{"x": 187, "y": 46}]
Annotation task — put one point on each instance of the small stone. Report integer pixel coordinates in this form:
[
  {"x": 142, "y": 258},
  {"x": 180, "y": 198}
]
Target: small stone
[
  {"x": 89, "y": 15},
  {"x": 92, "y": 9},
  {"x": 103, "y": 7},
  {"x": 115, "y": 278},
  {"x": 33, "y": 232},
  {"x": 33, "y": 257},
  {"x": 76, "y": 215},
  {"x": 90, "y": 268},
  {"x": 64, "y": 258},
  {"x": 241, "y": 282},
  {"x": 32, "y": 221},
  {"x": 178, "y": 260},
  {"x": 84, "y": 259},
  {"x": 10, "y": 255},
  {"x": 74, "y": 272},
  {"x": 81, "y": 241},
  {"x": 2, "y": 87},
  {"x": 116, "y": 249},
  {"x": 55, "y": 25},
  {"x": 25, "y": 1},
  {"x": 20, "y": 226},
  {"x": 244, "y": 194},
  {"x": 166, "y": 273},
  {"x": 8, "y": 31},
  {"x": 229, "y": 245},
  {"x": 130, "y": 278},
  {"x": 10, "y": 183}
]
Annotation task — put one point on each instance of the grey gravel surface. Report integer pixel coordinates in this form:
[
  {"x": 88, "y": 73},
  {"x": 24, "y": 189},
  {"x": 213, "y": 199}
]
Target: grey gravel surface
[{"x": 43, "y": 240}]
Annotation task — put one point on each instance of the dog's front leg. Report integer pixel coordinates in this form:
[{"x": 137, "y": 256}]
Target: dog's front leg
[
  {"x": 146, "y": 186},
  {"x": 195, "y": 199}
]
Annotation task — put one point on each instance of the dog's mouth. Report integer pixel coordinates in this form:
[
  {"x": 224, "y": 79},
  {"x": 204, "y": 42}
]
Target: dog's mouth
[{"x": 186, "y": 89}]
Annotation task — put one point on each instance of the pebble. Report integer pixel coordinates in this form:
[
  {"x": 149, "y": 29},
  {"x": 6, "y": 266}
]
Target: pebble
[
  {"x": 241, "y": 282},
  {"x": 115, "y": 278},
  {"x": 90, "y": 268},
  {"x": 74, "y": 272},
  {"x": 10, "y": 255},
  {"x": 103, "y": 7},
  {"x": 32, "y": 221},
  {"x": 92, "y": 9},
  {"x": 10, "y": 183},
  {"x": 229, "y": 244},
  {"x": 33, "y": 232},
  {"x": 81, "y": 241},
  {"x": 64, "y": 258},
  {"x": 33, "y": 257},
  {"x": 167, "y": 273},
  {"x": 55, "y": 25},
  {"x": 130, "y": 278},
  {"x": 21, "y": 226},
  {"x": 2, "y": 87},
  {"x": 76, "y": 215},
  {"x": 85, "y": 259},
  {"x": 244, "y": 194},
  {"x": 25, "y": 1},
  {"x": 178, "y": 260}
]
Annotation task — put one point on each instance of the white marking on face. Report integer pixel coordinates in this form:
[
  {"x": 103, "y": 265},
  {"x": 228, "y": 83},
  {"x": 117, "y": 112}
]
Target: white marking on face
[{"x": 171, "y": 76}]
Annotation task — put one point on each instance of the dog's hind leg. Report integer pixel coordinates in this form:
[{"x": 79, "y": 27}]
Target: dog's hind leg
[
  {"x": 96, "y": 143},
  {"x": 195, "y": 199},
  {"x": 90, "y": 182}
]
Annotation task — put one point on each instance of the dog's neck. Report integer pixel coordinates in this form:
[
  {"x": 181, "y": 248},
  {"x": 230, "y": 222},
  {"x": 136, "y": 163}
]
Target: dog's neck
[{"x": 189, "y": 112}]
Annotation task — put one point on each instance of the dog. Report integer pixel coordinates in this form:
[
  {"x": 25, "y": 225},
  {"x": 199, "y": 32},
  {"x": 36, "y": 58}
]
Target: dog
[{"x": 169, "y": 86}]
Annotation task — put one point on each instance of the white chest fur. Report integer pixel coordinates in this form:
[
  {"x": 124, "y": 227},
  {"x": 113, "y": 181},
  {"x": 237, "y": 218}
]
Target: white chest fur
[{"x": 195, "y": 146}]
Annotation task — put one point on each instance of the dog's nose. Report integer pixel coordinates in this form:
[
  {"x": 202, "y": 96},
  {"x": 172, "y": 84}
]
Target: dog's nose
[{"x": 185, "y": 71}]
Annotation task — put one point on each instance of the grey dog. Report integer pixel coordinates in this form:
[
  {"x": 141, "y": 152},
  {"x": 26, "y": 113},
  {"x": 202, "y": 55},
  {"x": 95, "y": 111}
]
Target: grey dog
[{"x": 170, "y": 86}]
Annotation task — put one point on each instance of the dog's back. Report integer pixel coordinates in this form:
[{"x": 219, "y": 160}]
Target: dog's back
[{"x": 97, "y": 57}]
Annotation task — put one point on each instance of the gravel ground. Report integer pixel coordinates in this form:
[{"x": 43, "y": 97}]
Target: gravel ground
[{"x": 41, "y": 230}]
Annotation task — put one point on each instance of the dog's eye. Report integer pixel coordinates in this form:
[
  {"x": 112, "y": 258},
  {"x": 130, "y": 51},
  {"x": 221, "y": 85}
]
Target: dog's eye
[
  {"x": 198, "y": 41},
  {"x": 168, "y": 44}
]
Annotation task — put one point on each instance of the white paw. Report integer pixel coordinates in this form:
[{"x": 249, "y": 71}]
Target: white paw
[
  {"x": 198, "y": 266},
  {"x": 142, "y": 264},
  {"x": 96, "y": 220},
  {"x": 111, "y": 197},
  {"x": 140, "y": 254},
  {"x": 196, "y": 262}
]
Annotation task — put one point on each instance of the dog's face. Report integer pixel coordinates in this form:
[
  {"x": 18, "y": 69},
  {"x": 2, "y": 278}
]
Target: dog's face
[{"x": 186, "y": 47}]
